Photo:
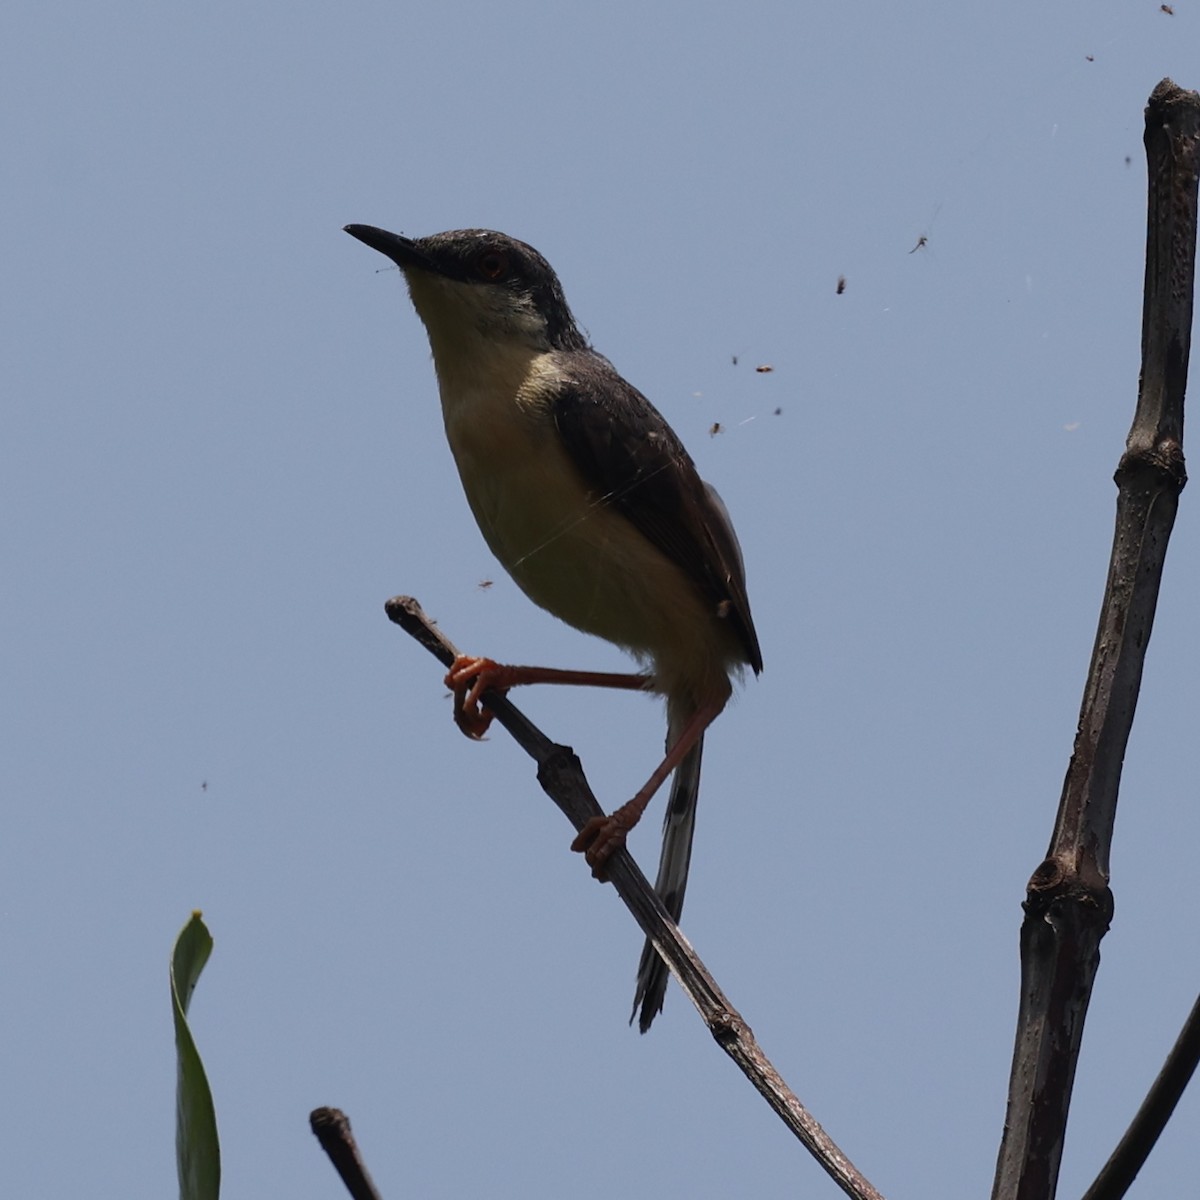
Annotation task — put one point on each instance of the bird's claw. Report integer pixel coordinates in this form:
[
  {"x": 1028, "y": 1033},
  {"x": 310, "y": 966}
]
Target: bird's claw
[
  {"x": 468, "y": 678},
  {"x": 599, "y": 840}
]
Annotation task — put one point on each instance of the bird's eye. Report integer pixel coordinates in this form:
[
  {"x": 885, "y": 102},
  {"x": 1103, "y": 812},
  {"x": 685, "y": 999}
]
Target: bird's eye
[{"x": 491, "y": 264}]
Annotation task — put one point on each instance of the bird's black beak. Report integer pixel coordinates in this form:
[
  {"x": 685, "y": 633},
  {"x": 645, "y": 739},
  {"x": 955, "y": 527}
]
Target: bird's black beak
[{"x": 403, "y": 251}]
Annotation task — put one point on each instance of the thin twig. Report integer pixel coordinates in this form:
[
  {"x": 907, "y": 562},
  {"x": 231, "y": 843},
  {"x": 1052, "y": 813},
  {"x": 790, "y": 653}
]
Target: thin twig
[
  {"x": 332, "y": 1129},
  {"x": 561, "y": 777},
  {"x": 1134, "y": 1148},
  {"x": 1068, "y": 903}
]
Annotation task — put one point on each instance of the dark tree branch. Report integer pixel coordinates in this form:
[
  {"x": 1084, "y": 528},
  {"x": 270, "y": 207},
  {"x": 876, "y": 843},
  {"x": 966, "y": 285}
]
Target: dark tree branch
[
  {"x": 332, "y": 1129},
  {"x": 561, "y": 777},
  {"x": 1068, "y": 904},
  {"x": 1134, "y": 1148}
]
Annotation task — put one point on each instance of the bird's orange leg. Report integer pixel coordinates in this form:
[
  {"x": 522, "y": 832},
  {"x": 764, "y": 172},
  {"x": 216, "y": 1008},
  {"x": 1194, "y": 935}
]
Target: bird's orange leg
[
  {"x": 602, "y": 836},
  {"x": 469, "y": 677}
]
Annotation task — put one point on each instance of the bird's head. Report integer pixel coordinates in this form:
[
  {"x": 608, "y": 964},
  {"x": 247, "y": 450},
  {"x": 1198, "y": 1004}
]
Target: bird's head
[{"x": 478, "y": 285}]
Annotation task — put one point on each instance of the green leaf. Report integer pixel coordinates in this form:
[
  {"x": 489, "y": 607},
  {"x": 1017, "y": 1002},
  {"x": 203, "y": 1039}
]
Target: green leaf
[{"x": 197, "y": 1151}]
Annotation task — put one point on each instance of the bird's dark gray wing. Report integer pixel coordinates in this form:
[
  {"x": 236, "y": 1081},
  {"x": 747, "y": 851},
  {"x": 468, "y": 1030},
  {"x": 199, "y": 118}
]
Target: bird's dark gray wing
[{"x": 630, "y": 457}]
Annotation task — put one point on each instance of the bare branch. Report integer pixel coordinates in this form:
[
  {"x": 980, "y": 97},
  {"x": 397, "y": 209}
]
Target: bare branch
[
  {"x": 1068, "y": 904},
  {"x": 1134, "y": 1148},
  {"x": 561, "y": 777}
]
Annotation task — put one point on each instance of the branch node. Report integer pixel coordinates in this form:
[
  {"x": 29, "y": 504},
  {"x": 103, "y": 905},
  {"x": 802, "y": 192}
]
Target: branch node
[
  {"x": 727, "y": 1027},
  {"x": 1162, "y": 463}
]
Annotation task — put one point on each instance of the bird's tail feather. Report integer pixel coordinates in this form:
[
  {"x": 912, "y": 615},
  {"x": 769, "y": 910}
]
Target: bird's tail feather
[{"x": 678, "y": 826}]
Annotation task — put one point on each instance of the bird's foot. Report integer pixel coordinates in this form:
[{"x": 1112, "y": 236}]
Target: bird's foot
[
  {"x": 602, "y": 837},
  {"x": 468, "y": 678}
]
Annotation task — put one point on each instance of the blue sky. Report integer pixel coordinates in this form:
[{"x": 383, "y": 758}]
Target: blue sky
[{"x": 222, "y": 452}]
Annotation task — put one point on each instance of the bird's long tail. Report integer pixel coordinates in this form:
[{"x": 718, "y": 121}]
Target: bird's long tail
[{"x": 678, "y": 826}]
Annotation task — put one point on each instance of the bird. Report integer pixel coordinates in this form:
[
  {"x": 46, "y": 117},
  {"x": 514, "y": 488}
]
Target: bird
[{"x": 591, "y": 503}]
